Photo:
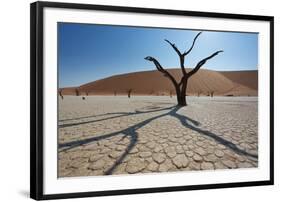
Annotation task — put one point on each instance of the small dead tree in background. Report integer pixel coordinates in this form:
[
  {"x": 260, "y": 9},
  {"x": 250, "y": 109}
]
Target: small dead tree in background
[
  {"x": 60, "y": 93},
  {"x": 181, "y": 86},
  {"x": 129, "y": 92},
  {"x": 171, "y": 93},
  {"x": 212, "y": 93},
  {"x": 199, "y": 93},
  {"x": 115, "y": 93},
  {"x": 86, "y": 94},
  {"x": 77, "y": 93}
]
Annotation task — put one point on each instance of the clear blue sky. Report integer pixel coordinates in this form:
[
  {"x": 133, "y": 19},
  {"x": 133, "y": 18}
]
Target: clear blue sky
[{"x": 91, "y": 52}]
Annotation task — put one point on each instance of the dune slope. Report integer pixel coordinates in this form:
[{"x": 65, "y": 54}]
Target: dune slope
[{"x": 235, "y": 83}]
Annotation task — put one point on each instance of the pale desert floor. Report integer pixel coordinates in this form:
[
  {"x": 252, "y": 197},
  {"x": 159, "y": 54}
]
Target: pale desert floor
[{"x": 104, "y": 135}]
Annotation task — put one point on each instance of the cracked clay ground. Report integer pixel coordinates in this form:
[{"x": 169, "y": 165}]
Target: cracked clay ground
[{"x": 105, "y": 135}]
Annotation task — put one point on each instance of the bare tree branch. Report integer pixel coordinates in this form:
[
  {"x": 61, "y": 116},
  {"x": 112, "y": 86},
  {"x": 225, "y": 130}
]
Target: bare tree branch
[
  {"x": 181, "y": 56},
  {"x": 161, "y": 69},
  {"x": 201, "y": 63},
  {"x": 174, "y": 47},
  {"x": 194, "y": 40}
]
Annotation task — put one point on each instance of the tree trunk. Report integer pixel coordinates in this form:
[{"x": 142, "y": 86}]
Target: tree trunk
[
  {"x": 180, "y": 97},
  {"x": 181, "y": 100},
  {"x": 182, "y": 92}
]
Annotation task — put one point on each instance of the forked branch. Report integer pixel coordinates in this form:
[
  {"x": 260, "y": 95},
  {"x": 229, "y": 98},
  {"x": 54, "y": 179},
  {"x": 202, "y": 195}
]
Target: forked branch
[
  {"x": 161, "y": 69},
  {"x": 174, "y": 47},
  {"x": 194, "y": 40},
  {"x": 202, "y": 62},
  {"x": 182, "y": 55}
]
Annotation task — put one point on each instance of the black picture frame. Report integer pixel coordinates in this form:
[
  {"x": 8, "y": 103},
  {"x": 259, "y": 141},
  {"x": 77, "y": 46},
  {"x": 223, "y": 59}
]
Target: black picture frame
[{"x": 36, "y": 99}]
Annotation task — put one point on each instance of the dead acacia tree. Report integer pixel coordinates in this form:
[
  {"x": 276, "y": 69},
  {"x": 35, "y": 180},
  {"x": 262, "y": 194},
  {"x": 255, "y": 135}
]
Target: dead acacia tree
[
  {"x": 77, "y": 92},
  {"x": 129, "y": 92},
  {"x": 171, "y": 93},
  {"x": 181, "y": 86},
  {"x": 60, "y": 93}
]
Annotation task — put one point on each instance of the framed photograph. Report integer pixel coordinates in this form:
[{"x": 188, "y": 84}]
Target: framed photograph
[{"x": 131, "y": 100}]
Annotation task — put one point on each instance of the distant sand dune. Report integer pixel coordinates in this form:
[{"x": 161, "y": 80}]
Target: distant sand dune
[{"x": 234, "y": 83}]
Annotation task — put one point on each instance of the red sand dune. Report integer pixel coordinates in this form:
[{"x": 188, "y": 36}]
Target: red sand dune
[{"x": 235, "y": 83}]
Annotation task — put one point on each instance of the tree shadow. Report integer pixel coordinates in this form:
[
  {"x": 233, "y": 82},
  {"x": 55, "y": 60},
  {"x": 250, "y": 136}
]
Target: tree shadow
[
  {"x": 132, "y": 134},
  {"x": 122, "y": 114},
  {"x": 218, "y": 139},
  {"x": 90, "y": 116}
]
